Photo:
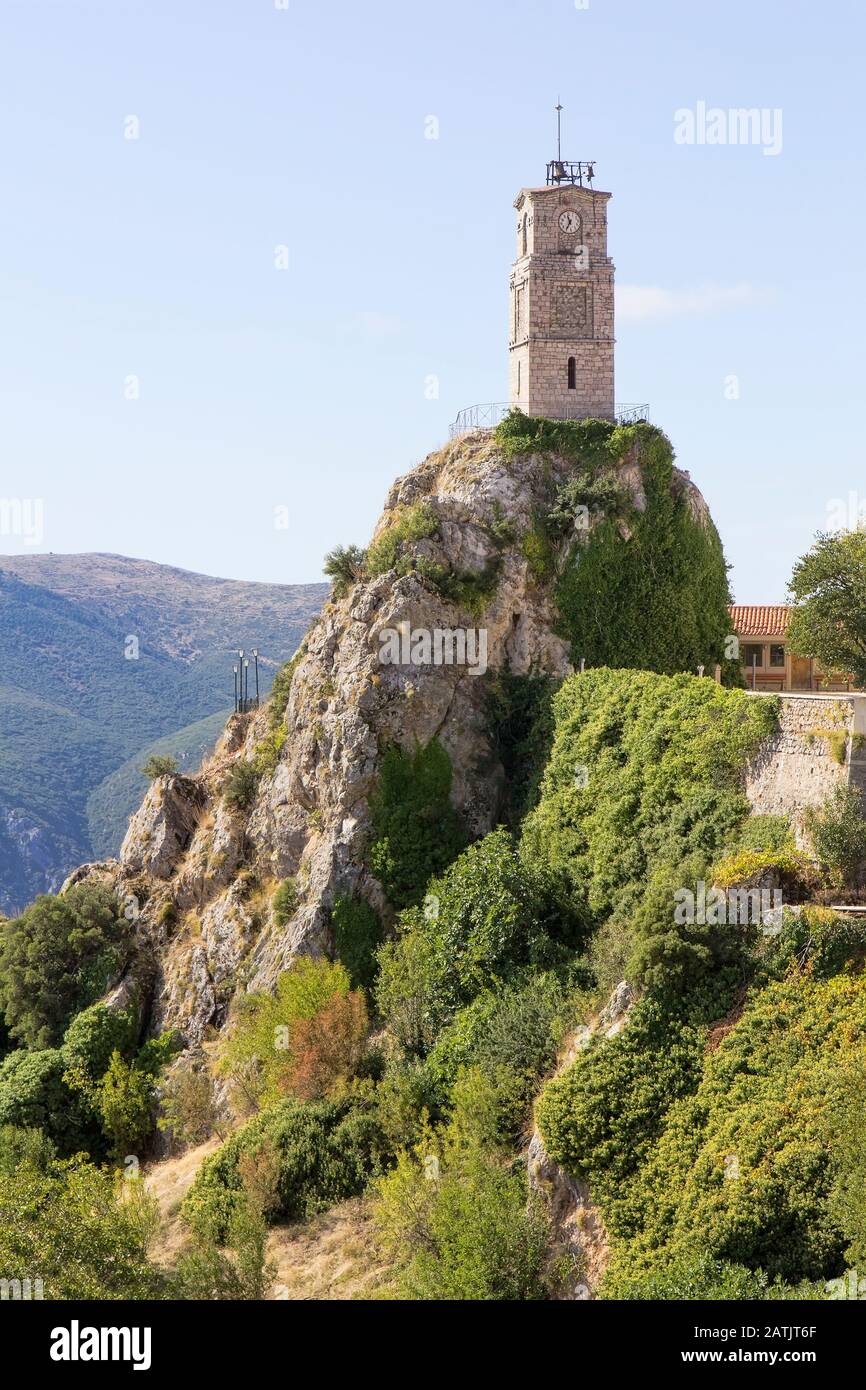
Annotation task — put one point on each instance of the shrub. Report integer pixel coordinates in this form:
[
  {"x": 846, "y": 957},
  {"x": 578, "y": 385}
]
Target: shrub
[
  {"x": 92, "y": 1037},
  {"x": 34, "y": 1094},
  {"x": 838, "y": 834},
  {"x": 85, "y": 1235},
  {"x": 124, "y": 1099},
  {"x": 411, "y": 988},
  {"x": 344, "y": 566},
  {"x": 742, "y": 1167},
  {"x": 664, "y": 576},
  {"x": 328, "y": 1047},
  {"x": 417, "y": 831},
  {"x": 457, "y": 1223},
  {"x": 259, "y": 1056},
  {"x": 601, "y": 1117},
  {"x": 488, "y": 915},
  {"x": 19, "y": 1147},
  {"x": 159, "y": 765},
  {"x": 188, "y": 1110},
  {"x": 391, "y": 549},
  {"x": 57, "y": 958},
  {"x": 327, "y": 1150},
  {"x": 510, "y": 1037},
  {"x": 357, "y": 932},
  {"x": 241, "y": 785},
  {"x": 285, "y": 901},
  {"x": 640, "y": 795},
  {"x": 281, "y": 689}
]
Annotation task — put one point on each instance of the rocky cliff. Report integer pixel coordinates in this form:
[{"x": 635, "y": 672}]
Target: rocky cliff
[{"x": 455, "y": 590}]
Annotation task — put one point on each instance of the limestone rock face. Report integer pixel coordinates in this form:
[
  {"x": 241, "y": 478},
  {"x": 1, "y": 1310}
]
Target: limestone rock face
[
  {"x": 205, "y": 872},
  {"x": 162, "y": 827}
]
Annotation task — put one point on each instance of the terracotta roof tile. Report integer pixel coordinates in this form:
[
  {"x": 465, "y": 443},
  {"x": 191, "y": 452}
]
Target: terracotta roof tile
[{"x": 760, "y": 619}]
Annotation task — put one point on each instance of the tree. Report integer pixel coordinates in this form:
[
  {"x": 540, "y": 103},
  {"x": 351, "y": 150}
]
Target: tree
[
  {"x": 328, "y": 1047},
  {"x": 79, "y": 1230},
  {"x": 828, "y": 587},
  {"x": 187, "y": 1106},
  {"x": 124, "y": 1102},
  {"x": 159, "y": 765},
  {"x": 57, "y": 958}
]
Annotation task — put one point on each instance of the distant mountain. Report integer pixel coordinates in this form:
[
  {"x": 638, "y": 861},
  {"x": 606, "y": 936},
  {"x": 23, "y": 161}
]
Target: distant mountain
[{"x": 104, "y": 659}]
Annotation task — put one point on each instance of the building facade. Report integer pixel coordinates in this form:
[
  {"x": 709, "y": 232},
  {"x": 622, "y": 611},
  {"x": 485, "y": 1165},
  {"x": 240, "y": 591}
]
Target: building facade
[
  {"x": 769, "y": 664},
  {"x": 561, "y": 324}
]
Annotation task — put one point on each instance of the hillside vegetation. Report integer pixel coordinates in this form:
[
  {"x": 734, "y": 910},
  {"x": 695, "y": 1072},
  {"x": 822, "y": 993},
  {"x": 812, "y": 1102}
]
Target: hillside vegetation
[{"x": 428, "y": 951}]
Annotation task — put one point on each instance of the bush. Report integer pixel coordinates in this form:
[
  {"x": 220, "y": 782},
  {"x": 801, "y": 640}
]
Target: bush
[
  {"x": 92, "y": 1037},
  {"x": 327, "y": 1048},
  {"x": 511, "y": 1037},
  {"x": 34, "y": 1094},
  {"x": 327, "y": 1151},
  {"x": 159, "y": 765},
  {"x": 417, "y": 831},
  {"x": 285, "y": 901},
  {"x": 412, "y": 988},
  {"x": 664, "y": 576},
  {"x": 57, "y": 958},
  {"x": 344, "y": 566},
  {"x": 601, "y": 1117},
  {"x": 742, "y": 1167},
  {"x": 24, "y": 1146},
  {"x": 259, "y": 1055},
  {"x": 838, "y": 834},
  {"x": 488, "y": 915},
  {"x": 74, "y": 1226},
  {"x": 188, "y": 1110},
  {"x": 458, "y": 1224},
  {"x": 241, "y": 785},
  {"x": 392, "y": 548},
  {"x": 641, "y": 794},
  {"x": 357, "y": 932},
  {"x": 281, "y": 689}
]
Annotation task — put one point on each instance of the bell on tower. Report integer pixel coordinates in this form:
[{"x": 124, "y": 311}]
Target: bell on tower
[{"x": 561, "y": 339}]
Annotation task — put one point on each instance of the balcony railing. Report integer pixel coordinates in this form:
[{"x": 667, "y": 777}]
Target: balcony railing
[{"x": 485, "y": 417}]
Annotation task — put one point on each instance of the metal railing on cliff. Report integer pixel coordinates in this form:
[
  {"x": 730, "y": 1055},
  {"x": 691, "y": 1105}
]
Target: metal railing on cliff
[{"x": 483, "y": 417}]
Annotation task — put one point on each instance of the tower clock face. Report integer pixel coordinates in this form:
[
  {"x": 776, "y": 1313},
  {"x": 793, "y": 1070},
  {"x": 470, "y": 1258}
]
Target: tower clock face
[{"x": 569, "y": 221}]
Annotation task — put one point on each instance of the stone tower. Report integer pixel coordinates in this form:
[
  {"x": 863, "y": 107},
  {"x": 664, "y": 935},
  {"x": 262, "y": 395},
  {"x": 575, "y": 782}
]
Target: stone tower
[{"x": 561, "y": 313}]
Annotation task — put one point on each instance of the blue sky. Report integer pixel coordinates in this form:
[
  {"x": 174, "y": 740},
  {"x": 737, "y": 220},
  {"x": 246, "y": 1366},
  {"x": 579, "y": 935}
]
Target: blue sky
[{"x": 153, "y": 258}]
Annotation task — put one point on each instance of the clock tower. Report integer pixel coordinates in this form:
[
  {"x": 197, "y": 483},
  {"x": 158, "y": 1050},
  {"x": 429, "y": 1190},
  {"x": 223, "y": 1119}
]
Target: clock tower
[{"x": 561, "y": 299}]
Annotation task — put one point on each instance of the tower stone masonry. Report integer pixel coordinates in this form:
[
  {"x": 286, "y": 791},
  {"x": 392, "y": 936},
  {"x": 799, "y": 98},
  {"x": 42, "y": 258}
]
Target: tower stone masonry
[{"x": 561, "y": 307}]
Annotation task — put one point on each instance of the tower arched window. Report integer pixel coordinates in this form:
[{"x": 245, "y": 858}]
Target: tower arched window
[
  {"x": 572, "y": 374},
  {"x": 523, "y": 235},
  {"x": 518, "y": 376}
]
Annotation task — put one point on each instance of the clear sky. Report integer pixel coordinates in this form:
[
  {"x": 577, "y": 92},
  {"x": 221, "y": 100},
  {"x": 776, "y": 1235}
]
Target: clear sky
[{"x": 149, "y": 266}]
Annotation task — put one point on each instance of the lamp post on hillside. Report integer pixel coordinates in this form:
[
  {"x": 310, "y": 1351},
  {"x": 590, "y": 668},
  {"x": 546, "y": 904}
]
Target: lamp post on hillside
[
  {"x": 256, "y": 660},
  {"x": 235, "y": 669}
]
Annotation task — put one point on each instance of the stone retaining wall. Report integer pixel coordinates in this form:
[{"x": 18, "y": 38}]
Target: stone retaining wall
[{"x": 796, "y": 768}]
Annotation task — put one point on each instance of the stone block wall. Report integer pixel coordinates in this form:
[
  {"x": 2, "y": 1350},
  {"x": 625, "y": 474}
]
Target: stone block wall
[{"x": 796, "y": 768}]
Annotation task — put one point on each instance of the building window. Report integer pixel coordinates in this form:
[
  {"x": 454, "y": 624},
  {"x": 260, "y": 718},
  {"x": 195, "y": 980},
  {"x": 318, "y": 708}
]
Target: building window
[
  {"x": 753, "y": 655},
  {"x": 777, "y": 654},
  {"x": 518, "y": 376},
  {"x": 572, "y": 374},
  {"x": 523, "y": 235}
]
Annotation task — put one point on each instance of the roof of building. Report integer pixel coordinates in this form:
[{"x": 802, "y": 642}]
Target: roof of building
[{"x": 760, "y": 619}]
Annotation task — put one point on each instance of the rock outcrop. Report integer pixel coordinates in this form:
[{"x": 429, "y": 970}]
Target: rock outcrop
[{"x": 203, "y": 871}]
